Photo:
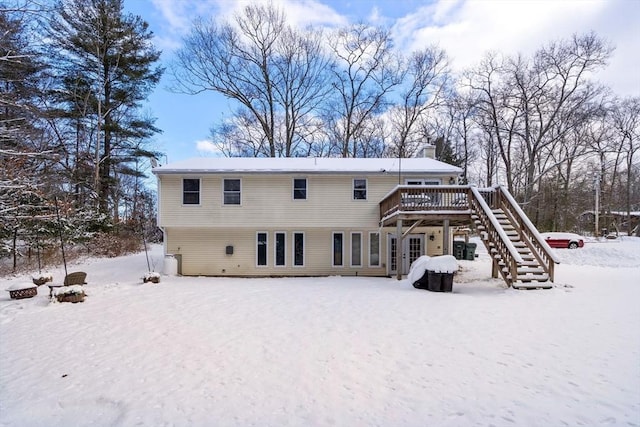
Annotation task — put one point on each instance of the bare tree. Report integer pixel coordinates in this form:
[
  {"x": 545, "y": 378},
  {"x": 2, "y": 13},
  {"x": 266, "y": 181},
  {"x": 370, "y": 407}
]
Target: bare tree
[
  {"x": 276, "y": 73},
  {"x": 425, "y": 77},
  {"x": 552, "y": 86},
  {"x": 366, "y": 72},
  {"x": 494, "y": 117},
  {"x": 625, "y": 119},
  {"x": 527, "y": 105}
]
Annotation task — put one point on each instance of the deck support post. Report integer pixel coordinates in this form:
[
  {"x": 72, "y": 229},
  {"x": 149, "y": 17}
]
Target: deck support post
[
  {"x": 445, "y": 237},
  {"x": 399, "y": 239}
]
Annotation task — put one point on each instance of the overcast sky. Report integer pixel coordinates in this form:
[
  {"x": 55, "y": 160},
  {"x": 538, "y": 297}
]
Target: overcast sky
[{"x": 465, "y": 29}]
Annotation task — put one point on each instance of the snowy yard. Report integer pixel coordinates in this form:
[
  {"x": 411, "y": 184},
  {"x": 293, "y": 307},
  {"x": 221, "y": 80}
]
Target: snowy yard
[{"x": 328, "y": 351}]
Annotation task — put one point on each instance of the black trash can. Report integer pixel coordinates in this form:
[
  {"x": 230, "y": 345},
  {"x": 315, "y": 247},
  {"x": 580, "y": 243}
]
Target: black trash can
[
  {"x": 447, "y": 282},
  {"x": 470, "y": 251},
  {"x": 434, "y": 281},
  {"x": 423, "y": 282},
  {"x": 458, "y": 249}
]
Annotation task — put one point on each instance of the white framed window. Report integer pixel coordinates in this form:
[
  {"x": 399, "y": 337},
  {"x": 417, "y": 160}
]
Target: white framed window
[
  {"x": 299, "y": 188},
  {"x": 298, "y": 249},
  {"x": 337, "y": 249},
  {"x": 280, "y": 249},
  {"x": 191, "y": 191},
  {"x": 374, "y": 249},
  {"x": 356, "y": 249},
  {"x": 359, "y": 189},
  {"x": 232, "y": 191},
  {"x": 262, "y": 243}
]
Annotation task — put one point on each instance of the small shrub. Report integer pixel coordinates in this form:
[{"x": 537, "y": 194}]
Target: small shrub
[{"x": 113, "y": 245}]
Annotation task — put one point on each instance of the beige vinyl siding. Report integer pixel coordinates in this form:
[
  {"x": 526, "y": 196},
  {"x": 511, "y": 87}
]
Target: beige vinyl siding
[
  {"x": 267, "y": 201},
  {"x": 202, "y": 252},
  {"x": 201, "y": 233},
  {"x": 435, "y": 246}
]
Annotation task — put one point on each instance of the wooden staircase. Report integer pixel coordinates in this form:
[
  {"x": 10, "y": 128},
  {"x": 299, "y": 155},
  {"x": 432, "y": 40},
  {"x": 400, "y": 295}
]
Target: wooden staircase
[{"x": 520, "y": 255}]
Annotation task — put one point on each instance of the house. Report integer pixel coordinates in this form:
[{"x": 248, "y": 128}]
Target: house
[
  {"x": 296, "y": 216},
  {"x": 335, "y": 216}
]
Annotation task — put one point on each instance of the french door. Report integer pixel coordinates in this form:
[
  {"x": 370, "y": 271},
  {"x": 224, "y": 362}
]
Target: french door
[{"x": 412, "y": 249}]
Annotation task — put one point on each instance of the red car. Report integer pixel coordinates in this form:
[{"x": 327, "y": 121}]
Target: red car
[{"x": 563, "y": 240}]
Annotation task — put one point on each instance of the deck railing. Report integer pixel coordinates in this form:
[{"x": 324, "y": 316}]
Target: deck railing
[
  {"x": 438, "y": 199},
  {"x": 504, "y": 254},
  {"x": 420, "y": 198},
  {"x": 530, "y": 235}
]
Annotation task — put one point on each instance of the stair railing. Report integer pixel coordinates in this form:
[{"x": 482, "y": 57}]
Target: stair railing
[
  {"x": 504, "y": 249},
  {"x": 530, "y": 234}
]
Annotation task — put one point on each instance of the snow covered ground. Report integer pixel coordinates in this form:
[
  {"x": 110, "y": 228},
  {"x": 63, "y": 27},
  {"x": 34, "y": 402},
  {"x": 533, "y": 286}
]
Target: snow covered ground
[{"x": 328, "y": 351}]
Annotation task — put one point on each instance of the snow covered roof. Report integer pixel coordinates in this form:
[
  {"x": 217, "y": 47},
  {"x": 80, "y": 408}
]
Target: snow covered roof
[{"x": 306, "y": 165}]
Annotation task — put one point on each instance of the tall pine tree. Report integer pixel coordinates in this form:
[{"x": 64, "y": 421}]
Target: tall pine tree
[{"x": 106, "y": 67}]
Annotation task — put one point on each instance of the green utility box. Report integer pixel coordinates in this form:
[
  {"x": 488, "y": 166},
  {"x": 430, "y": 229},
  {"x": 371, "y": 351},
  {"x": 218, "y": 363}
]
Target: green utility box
[
  {"x": 458, "y": 249},
  {"x": 470, "y": 251}
]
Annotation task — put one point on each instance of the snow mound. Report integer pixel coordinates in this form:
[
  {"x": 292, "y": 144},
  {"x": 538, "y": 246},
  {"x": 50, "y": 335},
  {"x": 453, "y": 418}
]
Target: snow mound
[
  {"x": 69, "y": 290},
  {"x": 620, "y": 253},
  {"x": 438, "y": 264},
  {"x": 443, "y": 264},
  {"x": 417, "y": 269},
  {"x": 21, "y": 286}
]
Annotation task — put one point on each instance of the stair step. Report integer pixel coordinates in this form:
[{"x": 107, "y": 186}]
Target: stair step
[
  {"x": 532, "y": 277},
  {"x": 527, "y": 270},
  {"x": 532, "y": 285}
]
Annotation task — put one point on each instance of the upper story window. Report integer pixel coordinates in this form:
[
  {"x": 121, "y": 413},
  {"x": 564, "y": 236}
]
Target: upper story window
[
  {"x": 359, "y": 189},
  {"x": 232, "y": 191},
  {"x": 191, "y": 191},
  {"x": 423, "y": 182},
  {"x": 300, "y": 189}
]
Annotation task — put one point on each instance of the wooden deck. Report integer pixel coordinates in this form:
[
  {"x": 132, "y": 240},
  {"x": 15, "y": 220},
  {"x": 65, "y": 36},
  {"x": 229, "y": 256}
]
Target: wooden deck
[
  {"x": 430, "y": 204},
  {"x": 518, "y": 251}
]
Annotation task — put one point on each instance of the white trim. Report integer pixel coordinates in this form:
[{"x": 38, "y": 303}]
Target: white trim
[
  {"x": 333, "y": 249},
  {"x": 266, "y": 253},
  {"x": 293, "y": 249},
  {"x": 366, "y": 189},
  {"x": 275, "y": 249},
  {"x": 158, "y": 208},
  {"x": 353, "y": 233},
  {"x": 199, "y": 193},
  {"x": 377, "y": 233},
  {"x": 231, "y": 204}
]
